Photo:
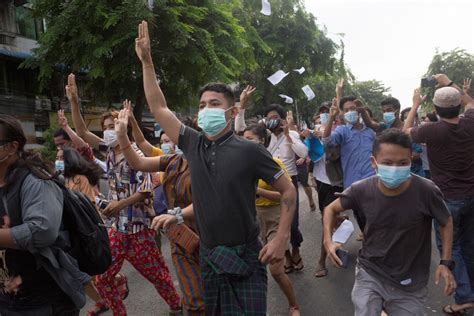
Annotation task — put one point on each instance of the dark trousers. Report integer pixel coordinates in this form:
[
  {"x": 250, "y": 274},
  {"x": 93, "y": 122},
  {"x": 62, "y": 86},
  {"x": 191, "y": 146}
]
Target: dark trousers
[
  {"x": 66, "y": 309},
  {"x": 326, "y": 194},
  {"x": 296, "y": 238}
]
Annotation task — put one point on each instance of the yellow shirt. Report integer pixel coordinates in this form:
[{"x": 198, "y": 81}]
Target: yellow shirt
[
  {"x": 155, "y": 152},
  {"x": 261, "y": 201}
]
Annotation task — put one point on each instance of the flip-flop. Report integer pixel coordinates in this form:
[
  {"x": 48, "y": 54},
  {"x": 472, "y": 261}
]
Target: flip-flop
[
  {"x": 448, "y": 310},
  {"x": 288, "y": 269},
  {"x": 321, "y": 273},
  {"x": 298, "y": 265},
  {"x": 97, "y": 309},
  {"x": 292, "y": 310}
]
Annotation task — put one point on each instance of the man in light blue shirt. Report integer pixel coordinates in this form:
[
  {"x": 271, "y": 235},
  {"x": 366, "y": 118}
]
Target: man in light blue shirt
[
  {"x": 355, "y": 139},
  {"x": 356, "y": 142}
]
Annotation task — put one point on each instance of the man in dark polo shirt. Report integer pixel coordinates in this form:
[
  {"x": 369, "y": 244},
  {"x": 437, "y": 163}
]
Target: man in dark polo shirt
[
  {"x": 393, "y": 265},
  {"x": 224, "y": 173},
  {"x": 450, "y": 147}
]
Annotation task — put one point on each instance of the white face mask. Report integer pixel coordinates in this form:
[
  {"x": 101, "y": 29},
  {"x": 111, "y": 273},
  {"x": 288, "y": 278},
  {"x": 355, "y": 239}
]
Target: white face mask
[{"x": 110, "y": 138}]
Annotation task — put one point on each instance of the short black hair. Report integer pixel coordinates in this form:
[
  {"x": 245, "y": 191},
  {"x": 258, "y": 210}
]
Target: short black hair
[
  {"x": 346, "y": 99},
  {"x": 391, "y": 101},
  {"x": 448, "y": 113},
  {"x": 325, "y": 105},
  {"x": 392, "y": 136},
  {"x": 60, "y": 132},
  {"x": 277, "y": 108},
  {"x": 402, "y": 113},
  {"x": 432, "y": 117},
  {"x": 75, "y": 164},
  {"x": 219, "y": 87}
]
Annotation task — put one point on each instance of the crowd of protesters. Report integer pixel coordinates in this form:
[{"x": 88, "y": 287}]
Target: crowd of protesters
[{"x": 224, "y": 190}]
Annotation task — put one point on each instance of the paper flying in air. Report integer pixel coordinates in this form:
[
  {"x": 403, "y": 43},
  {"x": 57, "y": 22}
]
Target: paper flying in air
[
  {"x": 266, "y": 8},
  {"x": 288, "y": 99},
  {"x": 277, "y": 77},
  {"x": 309, "y": 93},
  {"x": 300, "y": 71}
]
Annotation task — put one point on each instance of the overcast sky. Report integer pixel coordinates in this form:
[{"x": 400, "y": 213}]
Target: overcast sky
[{"x": 394, "y": 40}]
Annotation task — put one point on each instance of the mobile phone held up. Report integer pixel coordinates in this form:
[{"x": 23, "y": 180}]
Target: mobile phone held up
[
  {"x": 343, "y": 255},
  {"x": 428, "y": 82}
]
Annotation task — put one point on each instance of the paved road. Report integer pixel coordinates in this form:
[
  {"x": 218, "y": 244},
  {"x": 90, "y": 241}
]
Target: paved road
[{"x": 317, "y": 296}]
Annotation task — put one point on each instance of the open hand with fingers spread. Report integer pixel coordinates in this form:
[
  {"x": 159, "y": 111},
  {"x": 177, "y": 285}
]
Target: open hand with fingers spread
[
  {"x": 142, "y": 44},
  {"x": 466, "y": 85},
  {"x": 246, "y": 93},
  {"x": 418, "y": 99}
]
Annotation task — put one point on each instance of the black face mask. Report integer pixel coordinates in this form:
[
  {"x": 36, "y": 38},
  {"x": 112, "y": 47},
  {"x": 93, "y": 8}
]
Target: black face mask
[{"x": 273, "y": 124}]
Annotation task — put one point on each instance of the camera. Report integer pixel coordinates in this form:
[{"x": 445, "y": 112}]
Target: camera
[{"x": 428, "y": 82}]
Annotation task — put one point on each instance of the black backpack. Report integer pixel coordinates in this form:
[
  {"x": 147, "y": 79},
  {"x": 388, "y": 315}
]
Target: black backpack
[{"x": 89, "y": 241}]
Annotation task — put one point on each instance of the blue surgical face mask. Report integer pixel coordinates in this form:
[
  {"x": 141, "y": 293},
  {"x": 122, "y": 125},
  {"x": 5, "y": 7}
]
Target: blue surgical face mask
[
  {"x": 212, "y": 121},
  {"x": 167, "y": 148},
  {"x": 389, "y": 118},
  {"x": 324, "y": 118},
  {"x": 59, "y": 165},
  {"x": 351, "y": 117},
  {"x": 393, "y": 176}
]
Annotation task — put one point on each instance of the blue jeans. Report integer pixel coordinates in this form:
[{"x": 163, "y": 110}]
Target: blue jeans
[{"x": 462, "y": 212}]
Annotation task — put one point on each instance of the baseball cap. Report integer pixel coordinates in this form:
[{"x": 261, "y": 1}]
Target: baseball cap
[{"x": 447, "y": 97}]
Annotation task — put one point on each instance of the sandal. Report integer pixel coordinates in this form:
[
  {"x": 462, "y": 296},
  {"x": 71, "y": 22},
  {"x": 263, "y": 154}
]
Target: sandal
[
  {"x": 298, "y": 265},
  {"x": 448, "y": 310},
  {"x": 97, "y": 309},
  {"x": 177, "y": 312},
  {"x": 288, "y": 269},
  {"x": 321, "y": 273},
  {"x": 123, "y": 284},
  {"x": 293, "y": 310}
]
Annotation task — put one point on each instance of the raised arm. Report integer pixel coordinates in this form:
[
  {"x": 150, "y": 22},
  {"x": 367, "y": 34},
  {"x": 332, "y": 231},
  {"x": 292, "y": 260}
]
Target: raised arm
[
  {"x": 240, "y": 117},
  {"x": 417, "y": 100},
  {"x": 149, "y": 164},
  {"x": 275, "y": 249},
  {"x": 140, "y": 140},
  {"x": 466, "y": 99},
  {"x": 63, "y": 123},
  {"x": 366, "y": 118},
  {"x": 332, "y": 116},
  {"x": 155, "y": 98},
  {"x": 78, "y": 120}
]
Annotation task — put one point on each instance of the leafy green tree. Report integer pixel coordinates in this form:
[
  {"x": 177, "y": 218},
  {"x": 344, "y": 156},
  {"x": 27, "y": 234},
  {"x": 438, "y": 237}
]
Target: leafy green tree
[
  {"x": 295, "y": 41},
  {"x": 457, "y": 64},
  {"x": 193, "y": 42},
  {"x": 371, "y": 93}
]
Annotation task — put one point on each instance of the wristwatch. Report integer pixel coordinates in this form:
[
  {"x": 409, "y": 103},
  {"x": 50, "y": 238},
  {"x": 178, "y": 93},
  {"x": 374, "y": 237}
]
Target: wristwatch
[{"x": 449, "y": 263}]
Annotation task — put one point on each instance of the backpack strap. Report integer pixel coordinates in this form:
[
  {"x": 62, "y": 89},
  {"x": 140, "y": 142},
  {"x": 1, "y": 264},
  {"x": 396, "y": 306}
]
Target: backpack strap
[{"x": 12, "y": 198}]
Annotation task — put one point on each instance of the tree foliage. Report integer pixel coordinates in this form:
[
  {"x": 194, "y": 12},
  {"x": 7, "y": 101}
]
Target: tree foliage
[{"x": 457, "y": 64}]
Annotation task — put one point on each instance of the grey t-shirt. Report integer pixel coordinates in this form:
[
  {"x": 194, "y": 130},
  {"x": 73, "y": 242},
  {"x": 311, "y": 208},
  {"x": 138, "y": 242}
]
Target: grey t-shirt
[
  {"x": 397, "y": 237},
  {"x": 224, "y": 176}
]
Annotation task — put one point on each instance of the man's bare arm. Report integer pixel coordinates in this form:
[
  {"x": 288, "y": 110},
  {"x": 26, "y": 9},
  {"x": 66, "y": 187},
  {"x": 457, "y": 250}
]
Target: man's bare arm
[
  {"x": 154, "y": 96},
  {"x": 78, "y": 120}
]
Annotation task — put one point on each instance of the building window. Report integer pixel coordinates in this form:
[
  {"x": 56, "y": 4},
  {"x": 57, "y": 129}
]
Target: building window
[{"x": 27, "y": 25}]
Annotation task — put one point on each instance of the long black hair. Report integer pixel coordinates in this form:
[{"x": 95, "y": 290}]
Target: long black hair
[
  {"x": 32, "y": 161},
  {"x": 75, "y": 164}
]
